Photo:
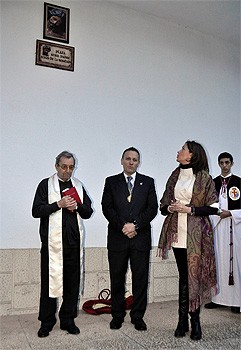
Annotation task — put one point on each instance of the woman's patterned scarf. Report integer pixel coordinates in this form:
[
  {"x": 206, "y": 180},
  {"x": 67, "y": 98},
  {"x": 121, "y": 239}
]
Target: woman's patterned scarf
[{"x": 202, "y": 279}]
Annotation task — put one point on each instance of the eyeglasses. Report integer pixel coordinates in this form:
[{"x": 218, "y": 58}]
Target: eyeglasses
[{"x": 65, "y": 167}]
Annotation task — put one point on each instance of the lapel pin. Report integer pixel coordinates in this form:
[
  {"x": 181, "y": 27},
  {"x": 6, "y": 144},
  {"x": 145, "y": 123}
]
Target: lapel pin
[{"x": 141, "y": 183}]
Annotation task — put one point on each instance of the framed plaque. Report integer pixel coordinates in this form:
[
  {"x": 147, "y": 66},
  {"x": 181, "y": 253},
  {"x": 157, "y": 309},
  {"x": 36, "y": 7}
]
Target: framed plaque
[{"x": 54, "y": 55}]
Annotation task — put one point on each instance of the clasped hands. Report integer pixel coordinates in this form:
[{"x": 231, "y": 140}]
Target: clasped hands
[
  {"x": 129, "y": 230},
  {"x": 179, "y": 207},
  {"x": 68, "y": 203},
  {"x": 225, "y": 214}
]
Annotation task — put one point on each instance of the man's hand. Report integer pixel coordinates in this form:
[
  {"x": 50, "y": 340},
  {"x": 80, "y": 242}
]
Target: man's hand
[
  {"x": 131, "y": 234},
  {"x": 225, "y": 214},
  {"x": 129, "y": 230},
  {"x": 68, "y": 203}
]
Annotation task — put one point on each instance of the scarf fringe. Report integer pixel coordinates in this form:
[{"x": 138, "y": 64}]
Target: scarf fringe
[
  {"x": 197, "y": 301},
  {"x": 194, "y": 304},
  {"x": 162, "y": 252}
]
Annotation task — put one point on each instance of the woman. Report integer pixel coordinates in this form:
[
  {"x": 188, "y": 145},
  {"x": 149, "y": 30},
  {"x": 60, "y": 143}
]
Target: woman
[{"x": 189, "y": 198}]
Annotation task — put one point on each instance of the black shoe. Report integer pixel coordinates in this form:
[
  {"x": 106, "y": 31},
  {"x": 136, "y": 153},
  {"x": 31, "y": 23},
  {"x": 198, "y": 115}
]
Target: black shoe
[
  {"x": 70, "y": 328},
  {"x": 196, "y": 333},
  {"x": 183, "y": 303},
  {"x": 182, "y": 328},
  {"x": 139, "y": 324},
  {"x": 44, "y": 331},
  {"x": 235, "y": 309},
  {"x": 211, "y": 305},
  {"x": 116, "y": 323}
]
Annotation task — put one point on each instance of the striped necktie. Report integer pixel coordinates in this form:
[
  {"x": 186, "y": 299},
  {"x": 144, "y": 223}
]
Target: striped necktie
[{"x": 129, "y": 178}]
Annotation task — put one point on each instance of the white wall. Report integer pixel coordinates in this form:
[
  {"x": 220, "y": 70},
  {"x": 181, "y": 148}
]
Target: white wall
[{"x": 138, "y": 81}]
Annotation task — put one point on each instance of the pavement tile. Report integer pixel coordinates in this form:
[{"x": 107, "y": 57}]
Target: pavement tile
[{"x": 220, "y": 327}]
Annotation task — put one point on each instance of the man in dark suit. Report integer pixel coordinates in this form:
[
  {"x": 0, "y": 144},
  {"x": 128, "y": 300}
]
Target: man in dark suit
[{"x": 129, "y": 203}]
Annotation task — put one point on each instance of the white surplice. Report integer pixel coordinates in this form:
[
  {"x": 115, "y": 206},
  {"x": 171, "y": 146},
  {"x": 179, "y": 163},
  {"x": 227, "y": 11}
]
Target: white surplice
[{"x": 227, "y": 295}]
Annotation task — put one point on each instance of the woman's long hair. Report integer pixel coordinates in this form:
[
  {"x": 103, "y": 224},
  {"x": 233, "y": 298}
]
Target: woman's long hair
[{"x": 199, "y": 160}]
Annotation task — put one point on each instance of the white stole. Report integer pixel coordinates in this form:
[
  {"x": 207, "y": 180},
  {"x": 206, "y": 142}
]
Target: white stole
[{"x": 55, "y": 244}]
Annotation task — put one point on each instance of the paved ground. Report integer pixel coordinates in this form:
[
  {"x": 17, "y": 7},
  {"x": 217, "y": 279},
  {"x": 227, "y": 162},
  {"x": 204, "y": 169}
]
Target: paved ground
[{"x": 221, "y": 330}]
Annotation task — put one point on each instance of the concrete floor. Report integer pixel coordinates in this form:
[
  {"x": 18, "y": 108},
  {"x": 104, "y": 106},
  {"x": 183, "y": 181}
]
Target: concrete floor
[{"x": 220, "y": 327}]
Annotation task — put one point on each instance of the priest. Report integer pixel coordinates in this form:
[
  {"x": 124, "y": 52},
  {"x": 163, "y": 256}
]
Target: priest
[
  {"x": 228, "y": 237},
  {"x": 61, "y": 233}
]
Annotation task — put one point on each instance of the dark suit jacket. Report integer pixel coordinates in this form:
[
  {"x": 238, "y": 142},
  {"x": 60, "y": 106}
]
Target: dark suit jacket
[{"x": 142, "y": 209}]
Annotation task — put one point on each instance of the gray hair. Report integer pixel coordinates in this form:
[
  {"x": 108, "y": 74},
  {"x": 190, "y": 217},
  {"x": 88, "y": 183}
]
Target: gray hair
[{"x": 64, "y": 154}]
